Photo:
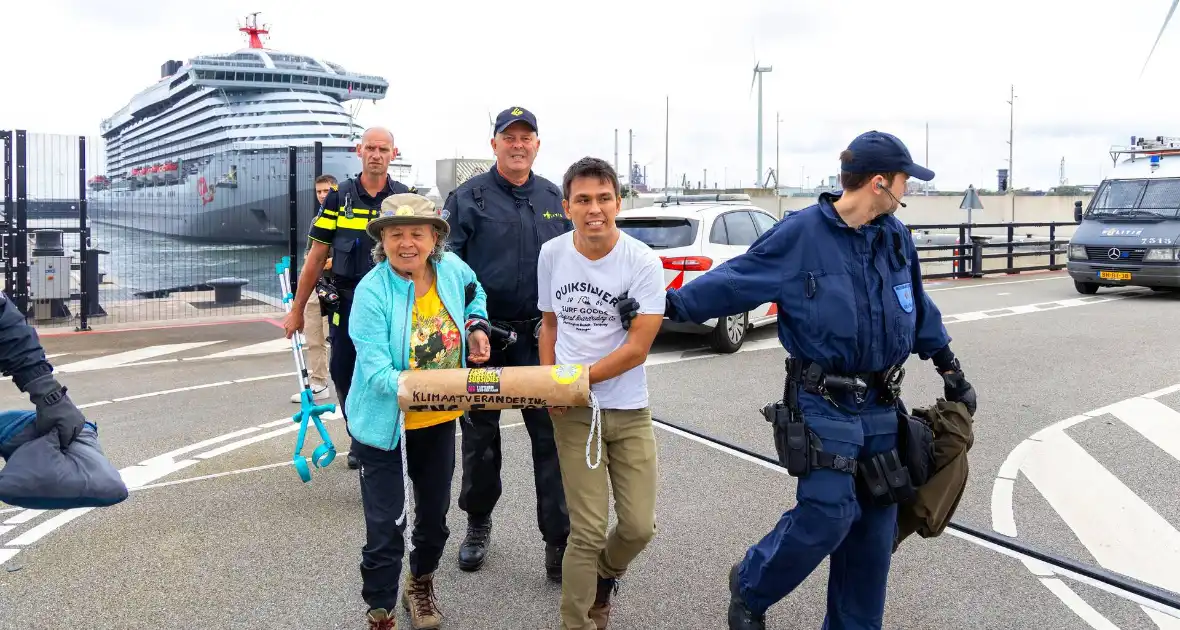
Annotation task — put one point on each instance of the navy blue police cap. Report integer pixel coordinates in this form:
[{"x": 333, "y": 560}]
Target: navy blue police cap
[
  {"x": 880, "y": 152},
  {"x": 515, "y": 114}
]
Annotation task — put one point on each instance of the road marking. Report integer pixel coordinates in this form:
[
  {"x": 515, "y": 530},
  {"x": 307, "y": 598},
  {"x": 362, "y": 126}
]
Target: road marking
[
  {"x": 988, "y": 285},
  {"x": 1126, "y": 535},
  {"x": 129, "y": 357},
  {"x": 212, "y": 476},
  {"x": 140, "y": 475},
  {"x": 266, "y": 347},
  {"x": 995, "y": 313}
]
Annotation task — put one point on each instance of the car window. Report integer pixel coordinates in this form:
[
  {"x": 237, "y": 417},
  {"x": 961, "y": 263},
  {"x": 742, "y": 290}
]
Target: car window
[
  {"x": 740, "y": 228},
  {"x": 718, "y": 234},
  {"x": 763, "y": 221},
  {"x": 660, "y": 233}
]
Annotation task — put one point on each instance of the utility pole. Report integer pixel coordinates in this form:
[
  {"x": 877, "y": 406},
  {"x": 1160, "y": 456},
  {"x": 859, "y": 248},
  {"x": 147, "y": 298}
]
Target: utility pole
[
  {"x": 631, "y": 166},
  {"x": 925, "y": 185},
  {"x": 705, "y": 179},
  {"x": 777, "y": 120},
  {"x": 667, "y": 109},
  {"x": 1011, "y": 120}
]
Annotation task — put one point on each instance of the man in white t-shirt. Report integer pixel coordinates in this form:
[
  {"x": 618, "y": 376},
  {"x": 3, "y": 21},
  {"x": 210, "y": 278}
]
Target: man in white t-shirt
[{"x": 582, "y": 276}]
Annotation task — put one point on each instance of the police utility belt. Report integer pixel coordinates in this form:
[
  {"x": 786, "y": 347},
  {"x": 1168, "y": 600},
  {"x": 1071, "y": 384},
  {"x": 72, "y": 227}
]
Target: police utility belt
[{"x": 884, "y": 477}]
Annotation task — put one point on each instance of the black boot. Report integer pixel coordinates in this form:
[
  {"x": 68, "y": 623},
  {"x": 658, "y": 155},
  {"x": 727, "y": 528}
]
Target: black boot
[
  {"x": 474, "y": 549},
  {"x": 740, "y": 616},
  {"x": 352, "y": 463},
  {"x": 553, "y": 557}
]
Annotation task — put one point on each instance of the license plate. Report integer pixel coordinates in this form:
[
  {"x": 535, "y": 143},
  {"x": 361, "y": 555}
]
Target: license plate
[{"x": 1114, "y": 275}]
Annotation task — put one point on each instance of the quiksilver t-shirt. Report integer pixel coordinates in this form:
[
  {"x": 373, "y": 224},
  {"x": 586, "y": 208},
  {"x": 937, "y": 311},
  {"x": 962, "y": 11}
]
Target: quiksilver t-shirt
[{"x": 584, "y": 295}]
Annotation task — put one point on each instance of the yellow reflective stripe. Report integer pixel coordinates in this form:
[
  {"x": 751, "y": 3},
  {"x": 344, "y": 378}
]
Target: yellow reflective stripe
[
  {"x": 362, "y": 211},
  {"x": 351, "y": 224},
  {"x": 325, "y": 223},
  {"x": 329, "y": 213}
]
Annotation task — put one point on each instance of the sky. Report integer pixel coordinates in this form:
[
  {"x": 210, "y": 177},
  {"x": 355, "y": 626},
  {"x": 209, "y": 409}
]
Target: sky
[{"x": 587, "y": 69}]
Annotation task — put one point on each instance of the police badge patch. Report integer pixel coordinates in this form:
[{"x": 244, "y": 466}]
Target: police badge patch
[{"x": 905, "y": 297}]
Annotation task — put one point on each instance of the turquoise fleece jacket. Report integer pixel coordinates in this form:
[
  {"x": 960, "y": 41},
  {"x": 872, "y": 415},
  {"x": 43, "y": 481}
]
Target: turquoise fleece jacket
[{"x": 380, "y": 325}]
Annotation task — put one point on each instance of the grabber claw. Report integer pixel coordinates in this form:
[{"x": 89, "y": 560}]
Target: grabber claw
[{"x": 326, "y": 452}]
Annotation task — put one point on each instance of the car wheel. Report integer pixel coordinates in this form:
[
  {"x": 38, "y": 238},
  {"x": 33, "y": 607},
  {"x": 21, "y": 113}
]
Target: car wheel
[
  {"x": 1085, "y": 288},
  {"x": 729, "y": 334}
]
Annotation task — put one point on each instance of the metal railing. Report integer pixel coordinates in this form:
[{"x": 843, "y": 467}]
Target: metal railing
[
  {"x": 971, "y": 252},
  {"x": 118, "y": 249}
]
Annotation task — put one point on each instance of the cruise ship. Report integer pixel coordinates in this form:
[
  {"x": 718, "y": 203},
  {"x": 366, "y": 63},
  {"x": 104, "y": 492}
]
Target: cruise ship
[{"x": 202, "y": 154}]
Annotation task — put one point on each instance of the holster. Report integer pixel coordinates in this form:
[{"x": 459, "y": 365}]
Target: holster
[{"x": 798, "y": 448}]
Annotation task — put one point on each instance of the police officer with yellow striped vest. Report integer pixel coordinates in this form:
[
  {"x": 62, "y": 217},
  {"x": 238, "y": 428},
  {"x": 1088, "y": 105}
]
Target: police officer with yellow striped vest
[{"x": 339, "y": 232}]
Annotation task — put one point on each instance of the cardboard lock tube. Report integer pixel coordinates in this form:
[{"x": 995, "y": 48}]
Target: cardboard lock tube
[{"x": 494, "y": 388}]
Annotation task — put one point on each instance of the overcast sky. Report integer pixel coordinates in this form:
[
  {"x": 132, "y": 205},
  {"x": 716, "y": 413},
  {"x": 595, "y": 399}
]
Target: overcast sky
[{"x": 840, "y": 68}]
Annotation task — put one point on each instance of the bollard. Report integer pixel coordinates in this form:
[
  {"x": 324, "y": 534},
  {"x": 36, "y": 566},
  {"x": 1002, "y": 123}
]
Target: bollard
[
  {"x": 91, "y": 278},
  {"x": 227, "y": 290},
  {"x": 977, "y": 243}
]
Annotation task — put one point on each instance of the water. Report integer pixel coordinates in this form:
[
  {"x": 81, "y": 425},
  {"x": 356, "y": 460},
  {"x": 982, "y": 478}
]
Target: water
[{"x": 140, "y": 261}]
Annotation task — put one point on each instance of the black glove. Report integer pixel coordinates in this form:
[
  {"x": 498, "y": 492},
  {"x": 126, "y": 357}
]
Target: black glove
[
  {"x": 957, "y": 389},
  {"x": 628, "y": 309},
  {"x": 55, "y": 410}
]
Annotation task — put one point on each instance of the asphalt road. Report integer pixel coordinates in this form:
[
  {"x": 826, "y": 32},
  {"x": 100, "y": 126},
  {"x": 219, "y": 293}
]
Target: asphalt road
[{"x": 220, "y": 533}]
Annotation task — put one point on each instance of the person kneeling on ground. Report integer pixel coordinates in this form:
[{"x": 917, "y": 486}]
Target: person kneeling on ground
[
  {"x": 411, "y": 312},
  {"x": 583, "y": 277}
]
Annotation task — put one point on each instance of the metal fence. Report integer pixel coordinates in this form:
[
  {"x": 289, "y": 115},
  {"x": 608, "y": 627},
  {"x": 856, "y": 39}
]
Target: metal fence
[
  {"x": 973, "y": 250},
  {"x": 179, "y": 239}
]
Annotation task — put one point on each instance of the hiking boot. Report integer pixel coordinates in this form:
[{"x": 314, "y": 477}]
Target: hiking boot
[
  {"x": 419, "y": 600},
  {"x": 740, "y": 616},
  {"x": 353, "y": 464},
  {"x": 600, "y": 611},
  {"x": 553, "y": 557},
  {"x": 474, "y": 549},
  {"x": 380, "y": 619}
]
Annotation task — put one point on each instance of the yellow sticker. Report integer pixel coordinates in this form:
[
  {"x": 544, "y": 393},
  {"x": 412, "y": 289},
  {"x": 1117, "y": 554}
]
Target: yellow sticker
[{"x": 566, "y": 374}]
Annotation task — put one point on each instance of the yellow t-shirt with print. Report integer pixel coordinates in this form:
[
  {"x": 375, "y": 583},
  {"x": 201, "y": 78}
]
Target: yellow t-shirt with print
[{"x": 436, "y": 342}]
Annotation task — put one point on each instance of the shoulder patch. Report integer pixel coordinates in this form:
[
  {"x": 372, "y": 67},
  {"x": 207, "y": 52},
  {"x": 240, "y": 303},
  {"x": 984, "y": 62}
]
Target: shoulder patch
[{"x": 335, "y": 187}]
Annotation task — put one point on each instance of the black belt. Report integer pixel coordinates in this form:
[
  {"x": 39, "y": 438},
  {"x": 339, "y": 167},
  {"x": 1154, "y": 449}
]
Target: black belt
[{"x": 886, "y": 382}]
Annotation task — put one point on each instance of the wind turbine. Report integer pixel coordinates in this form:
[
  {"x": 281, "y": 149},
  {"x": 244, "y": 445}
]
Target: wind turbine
[
  {"x": 759, "y": 70},
  {"x": 1167, "y": 18}
]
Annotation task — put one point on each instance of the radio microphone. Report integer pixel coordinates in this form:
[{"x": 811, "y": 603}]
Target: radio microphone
[{"x": 890, "y": 193}]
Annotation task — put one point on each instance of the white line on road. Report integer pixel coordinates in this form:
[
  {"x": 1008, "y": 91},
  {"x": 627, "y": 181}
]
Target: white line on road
[
  {"x": 988, "y": 285},
  {"x": 1126, "y": 535},
  {"x": 1145, "y": 603},
  {"x": 131, "y": 356},
  {"x": 1047, "y": 453}
]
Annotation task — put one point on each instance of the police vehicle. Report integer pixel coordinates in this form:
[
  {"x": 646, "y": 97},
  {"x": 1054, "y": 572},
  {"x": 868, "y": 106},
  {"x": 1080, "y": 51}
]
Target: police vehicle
[
  {"x": 693, "y": 234},
  {"x": 1129, "y": 235}
]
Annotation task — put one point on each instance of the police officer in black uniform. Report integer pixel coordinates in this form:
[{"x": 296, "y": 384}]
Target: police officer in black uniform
[
  {"x": 339, "y": 232},
  {"x": 23, "y": 358},
  {"x": 499, "y": 220}
]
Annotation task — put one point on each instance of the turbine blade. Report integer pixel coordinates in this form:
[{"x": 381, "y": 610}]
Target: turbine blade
[{"x": 1167, "y": 19}]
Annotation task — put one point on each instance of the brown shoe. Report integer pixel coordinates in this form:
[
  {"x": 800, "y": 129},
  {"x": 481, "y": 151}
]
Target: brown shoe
[
  {"x": 380, "y": 619},
  {"x": 419, "y": 600},
  {"x": 600, "y": 611}
]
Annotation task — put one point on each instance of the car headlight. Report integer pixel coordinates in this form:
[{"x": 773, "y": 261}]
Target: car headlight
[
  {"x": 1077, "y": 252},
  {"x": 1161, "y": 253}
]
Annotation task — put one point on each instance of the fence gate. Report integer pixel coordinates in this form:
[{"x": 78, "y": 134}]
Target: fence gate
[{"x": 13, "y": 242}]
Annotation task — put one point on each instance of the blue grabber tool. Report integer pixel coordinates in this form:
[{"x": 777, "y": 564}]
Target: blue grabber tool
[{"x": 326, "y": 452}]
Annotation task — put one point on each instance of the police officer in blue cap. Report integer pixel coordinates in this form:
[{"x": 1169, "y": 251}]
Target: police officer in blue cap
[
  {"x": 845, "y": 276},
  {"x": 499, "y": 220}
]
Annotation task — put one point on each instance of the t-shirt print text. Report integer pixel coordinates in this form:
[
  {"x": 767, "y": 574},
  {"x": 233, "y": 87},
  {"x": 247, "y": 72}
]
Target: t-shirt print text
[{"x": 584, "y": 306}]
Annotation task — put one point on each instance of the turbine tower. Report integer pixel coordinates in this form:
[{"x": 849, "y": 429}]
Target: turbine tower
[{"x": 759, "y": 70}]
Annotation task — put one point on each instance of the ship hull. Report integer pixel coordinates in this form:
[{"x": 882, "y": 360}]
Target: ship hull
[{"x": 235, "y": 198}]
